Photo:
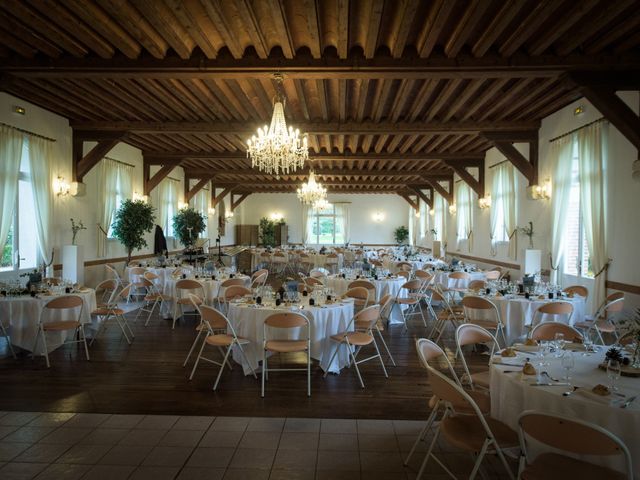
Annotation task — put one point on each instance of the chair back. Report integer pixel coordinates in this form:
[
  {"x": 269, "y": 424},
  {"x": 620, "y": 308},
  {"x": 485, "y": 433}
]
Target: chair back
[
  {"x": 259, "y": 273},
  {"x": 386, "y": 303},
  {"x": 459, "y": 276},
  {"x": 556, "y": 308},
  {"x": 112, "y": 270},
  {"x": 108, "y": 285},
  {"x": 313, "y": 281},
  {"x": 212, "y": 317},
  {"x": 319, "y": 272},
  {"x": 151, "y": 276},
  {"x": 477, "y": 285},
  {"x": 366, "y": 318},
  {"x": 360, "y": 294},
  {"x": 477, "y": 303},
  {"x": 259, "y": 280},
  {"x": 376, "y": 263},
  {"x": 571, "y": 435},
  {"x": 403, "y": 273},
  {"x": 232, "y": 282},
  {"x": 449, "y": 391},
  {"x": 548, "y": 330},
  {"x": 615, "y": 306},
  {"x": 577, "y": 290},
  {"x": 286, "y": 320},
  {"x": 492, "y": 274},
  {"x": 236, "y": 291},
  {"x": 64, "y": 302},
  {"x": 188, "y": 284},
  {"x": 125, "y": 292},
  {"x": 371, "y": 288},
  {"x": 423, "y": 275},
  {"x": 412, "y": 285},
  {"x": 404, "y": 266},
  {"x": 470, "y": 334},
  {"x": 137, "y": 271},
  {"x": 428, "y": 350}
]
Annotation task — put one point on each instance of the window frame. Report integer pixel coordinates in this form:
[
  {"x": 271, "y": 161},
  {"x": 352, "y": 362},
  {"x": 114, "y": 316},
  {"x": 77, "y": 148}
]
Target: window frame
[{"x": 316, "y": 215}]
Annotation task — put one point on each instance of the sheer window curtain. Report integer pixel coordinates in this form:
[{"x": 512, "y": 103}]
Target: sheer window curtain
[
  {"x": 307, "y": 219},
  {"x": 412, "y": 230},
  {"x": 464, "y": 204},
  {"x": 343, "y": 215},
  {"x": 503, "y": 211},
  {"x": 440, "y": 219},
  {"x": 168, "y": 204},
  {"x": 40, "y": 165},
  {"x": 200, "y": 203},
  {"x": 116, "y": 186},
  {"x": 11, "y": 154},
  {"x": 561, "y": 157},
  {"x": 592, "y": 148}
]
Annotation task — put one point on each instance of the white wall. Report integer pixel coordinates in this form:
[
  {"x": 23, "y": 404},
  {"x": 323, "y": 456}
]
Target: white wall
[{"x": 362, "y": 208}]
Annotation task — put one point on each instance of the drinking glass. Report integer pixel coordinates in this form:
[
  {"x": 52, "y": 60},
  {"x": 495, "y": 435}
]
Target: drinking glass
[
  {"x": 568, "y": 362},
  {"x": 587, "y": 341},
  {"x": 613, "y": 373},
  {"x": 559, "y": 343}
]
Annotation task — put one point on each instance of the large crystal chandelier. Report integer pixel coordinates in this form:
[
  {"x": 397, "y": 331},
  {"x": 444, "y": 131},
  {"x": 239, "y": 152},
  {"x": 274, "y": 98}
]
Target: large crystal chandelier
[
  {"x": 310, "y": 192},
  {"x": 277, "y": 150}
]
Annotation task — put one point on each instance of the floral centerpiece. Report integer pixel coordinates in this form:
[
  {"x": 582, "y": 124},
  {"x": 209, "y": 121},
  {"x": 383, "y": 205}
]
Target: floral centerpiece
[
  {"x": 75, "y": 228},
  {"x": 528, "y": 231},
  {"x": 631, "y": 328}
]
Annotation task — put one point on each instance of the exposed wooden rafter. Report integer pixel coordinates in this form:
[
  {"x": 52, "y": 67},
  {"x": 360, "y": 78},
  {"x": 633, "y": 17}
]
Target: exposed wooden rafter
[
  {"x": 151, "y": 182},
  {"x": 460, "y": 168},
  {"x": 423, "y": 197},
  {"x": 415, "y": 204},
  {"x": 82, "y": 164},
  {"x": 447, "y": 193},
  {"x": 216, "y": 199},
  {"x": 504, "y": 144},
  {"x": 235, "y": 203},
  {"x": 189, "y": 193}
]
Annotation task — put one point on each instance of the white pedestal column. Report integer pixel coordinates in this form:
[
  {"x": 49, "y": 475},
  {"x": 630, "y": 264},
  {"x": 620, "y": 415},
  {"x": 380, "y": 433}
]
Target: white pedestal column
[{"x": 73, "y": 263}]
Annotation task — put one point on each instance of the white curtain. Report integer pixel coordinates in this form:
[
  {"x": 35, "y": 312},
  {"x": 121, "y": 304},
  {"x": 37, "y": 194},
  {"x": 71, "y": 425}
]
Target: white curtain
[
  {"x": 10, "y": 155},
  {"x": 592, "y": 148},
  {"x": 343, "y": 212},
  {"x": 561, "y": 156},
  {"x": 40, "y": 166},
  {"x": 200, "y": 203},
  {"x": 411, "y": 223},
  {"x": 424, "y": 213},
  {"x": 168, "y": 204},
  {"x": 114, "y": 187},
  {"x": 503, "y": 209},
  {"x": 464, "y": 205},
  {"x": 307, "y": 214},
  {"x": 440, "y": 218}
]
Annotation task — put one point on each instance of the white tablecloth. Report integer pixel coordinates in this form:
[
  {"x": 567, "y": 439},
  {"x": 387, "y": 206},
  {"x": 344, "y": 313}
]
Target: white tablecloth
[
  {"x": 325, "y": 321},
  {"x": 442, "y": 279},
  {"x": 517, "y": 313},
  {"x": 510, "y": 396},
  {"x": 23, "y": 314}
]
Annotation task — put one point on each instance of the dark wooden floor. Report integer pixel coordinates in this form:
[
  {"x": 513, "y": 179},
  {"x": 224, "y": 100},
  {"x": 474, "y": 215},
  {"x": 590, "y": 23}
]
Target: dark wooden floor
[{"x": 148, "y": 377}]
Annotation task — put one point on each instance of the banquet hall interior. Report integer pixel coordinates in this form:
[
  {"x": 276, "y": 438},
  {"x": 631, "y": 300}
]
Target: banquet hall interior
[{"x": 319, "y": 239}]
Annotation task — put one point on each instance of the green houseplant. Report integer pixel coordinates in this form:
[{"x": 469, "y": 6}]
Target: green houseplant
[
  {"x": 188, "y": 224},
  {"x": 132, "y": 220},
  {"x": 267, "y": 232},
  {"x": 401, "y": 234}
]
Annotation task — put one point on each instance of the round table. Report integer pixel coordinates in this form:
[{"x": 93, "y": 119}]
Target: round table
[
  {"x": 325, "y": 320},
  {"x": 517, "y": 313},
  {"x": 511, "y": 394},
  {"x": 23, "y": 313},
  {"x": 442, "y": 279}
]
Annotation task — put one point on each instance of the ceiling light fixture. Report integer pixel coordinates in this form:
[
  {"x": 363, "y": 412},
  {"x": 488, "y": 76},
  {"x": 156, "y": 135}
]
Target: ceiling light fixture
[
  {"x": 321, "y": 205},
  {"x": 276, "y": 149},
  {"x": 312, "y": 191}
]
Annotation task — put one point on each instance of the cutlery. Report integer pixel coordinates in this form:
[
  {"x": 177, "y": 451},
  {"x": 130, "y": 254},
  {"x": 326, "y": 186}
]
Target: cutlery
[
  {"x": 558, "y": 384},
  {"x": 628, "y": 402},
  {"x": 566, "y": 394},
  {"x": 550, "y": 377}
]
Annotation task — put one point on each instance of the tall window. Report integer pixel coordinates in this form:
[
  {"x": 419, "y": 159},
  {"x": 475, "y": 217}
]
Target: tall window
[
  {"x": 440, "y": 206},
  {"x": 200, "y": 203},
  {"x": 576, "y": 256},
  {"x": 121, "y": 191},
  {"x": 170, "y": 201},
  {"x": 464, "y": 206},
  {"x": 20, "y": 251},
  {"x": 326, "y": 227},
  {"x": 503, "y": 206}
]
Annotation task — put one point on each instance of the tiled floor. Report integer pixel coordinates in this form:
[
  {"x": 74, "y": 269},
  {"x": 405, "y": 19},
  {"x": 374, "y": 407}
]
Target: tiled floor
[{"x": 112, "y": 447}]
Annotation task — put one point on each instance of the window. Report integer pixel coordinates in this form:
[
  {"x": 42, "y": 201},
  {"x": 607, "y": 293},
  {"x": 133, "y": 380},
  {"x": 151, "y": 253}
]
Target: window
[
  {"x": 171, "y": 207},
  {"x": 464, "y": 207},
  {"x": 576, "y": 256},
  {"x": 120, "y": 194},
  {"x": 200, "y": 203},
  {"x": 326, "y": 227},
  {"x": 503, "y": 206},
  {"x": 439, "y": 217},
  {"x": 20, "y": 251}
]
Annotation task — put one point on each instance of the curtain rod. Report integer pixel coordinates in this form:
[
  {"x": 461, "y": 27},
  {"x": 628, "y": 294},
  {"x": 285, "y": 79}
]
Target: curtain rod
[
  {"x": 27, "y": 132},
  {"x": 120, "y": 162},
  {"x": 601, "y": 119},
  {"x": 498, "y": 164}
]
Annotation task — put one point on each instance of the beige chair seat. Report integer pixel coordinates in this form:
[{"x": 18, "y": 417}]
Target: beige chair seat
[
  {"x": 285, "y": 346},
  {"x": 61, "y": 325},
  {"x": 407, "y": 301},
  {"x": 488, "y": 324},
  {"x": 445, "y": 315},
  {"x": 224, "y": 340},
  {"x": 355, "y": 338},
  {"x": 481, "y": 378},
  {"x": 150, "y": 297},
  {"x": 108, "y": 311},
  {"x": 551, "y": 466},
  {"x": 466, "y": 432},
  {"x": 188, "y": 301}
]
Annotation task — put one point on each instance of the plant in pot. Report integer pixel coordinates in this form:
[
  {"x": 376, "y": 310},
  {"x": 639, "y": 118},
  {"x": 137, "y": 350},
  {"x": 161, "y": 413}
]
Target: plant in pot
[
  {"x": 188, "y": 224},
  {"x": 267, "y": 232},
  {"x": 132, "y": 220},
  {"x": 401, "y": 234}
]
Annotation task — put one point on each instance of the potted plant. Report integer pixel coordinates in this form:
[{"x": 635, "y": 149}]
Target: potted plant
[
  {"x": 188, "y": 224},
  {"x": 401, "y": 234},
  {"x": 267, "y": 232},
  {"x": 132, "y": 220}
]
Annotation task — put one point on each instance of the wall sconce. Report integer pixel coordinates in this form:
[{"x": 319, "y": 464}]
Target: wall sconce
[
  {"x": 140, "y": 198},
  {"x": 378, "y": 217},
  {"x": 432, "y": 212},
  {"x": 417, "y": 214},
  {"x": 276, "y": 216},
  {"x": 542, "y": 191},
  {"x": 228, "y": 215},
  {"x": 212, "y": 211},
  {"x": 453, "y": 209},
  {"x": 182, "y": 205},
  {"x": 579, "y": 110},
  {"x": 484, "y": 202},
  {"x": 61, "y": 187}
]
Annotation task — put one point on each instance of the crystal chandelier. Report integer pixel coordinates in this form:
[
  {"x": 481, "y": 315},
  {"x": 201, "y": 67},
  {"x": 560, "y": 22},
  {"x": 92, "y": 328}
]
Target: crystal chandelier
[
  {"x": 277, "y": 150},
  {"x": 321, "y": 205},
  {"x": 310, "y": 192}
]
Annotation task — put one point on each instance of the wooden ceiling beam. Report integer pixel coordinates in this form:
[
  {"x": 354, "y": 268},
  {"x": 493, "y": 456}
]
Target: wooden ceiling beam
[
  {"x": 194, "y": 19},
  {"x": 324, "y": 157},
  {"x": 199, "y": 173},
  {"x": 501, "y": 20},
  {"x": 252, "y": 27},
  {"x": 312, "y": 128},
  {"x": 536, "y": 17},
  {"x": 433, "y": 26},
  {"x": 460, "y": 168},
  {"x": 216, "y": 199},
  {"x": 447, "y": 195},
  {"x": 81, "y": 163},
  {"x": 503, "y": 143},
  {"x": 405, "y": 16},
  {"x": 151, "y": 182},
  {"x": 422, "y": 196},
  {"x": 236, "y": 203},
  {"x": 412, "y": 203},
  {"x": 190, "y": 193},
  {"x": 26, "y": 35},
  {"x": 276, "y": 8},
  {"x": 465, "y": 26},
  {"x": 374, "y": 8},
  {"x": 381, "y": 67}
]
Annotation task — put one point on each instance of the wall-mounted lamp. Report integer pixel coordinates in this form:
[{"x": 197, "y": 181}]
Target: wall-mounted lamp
[
  {"x": 276, "y": 216},
  {"x": 540, "y": 192},
  {"x": 228, "y": 215},
  {"x": 453, "y": 209},
  {"x": 378, "y": 216},
  {"x": 579, "y": 110},
  {"x": 19, "y": 110},
  {"x": 212, "y": 211},
  {"x": 484, "y": 202},
  {"x": 417, "y": 213},
  {"x": 182, "y": 205},
  {"x": 432, "y": 212},
  {"x": 61, "y": 187},
  {"x": 140, "y": 198}
]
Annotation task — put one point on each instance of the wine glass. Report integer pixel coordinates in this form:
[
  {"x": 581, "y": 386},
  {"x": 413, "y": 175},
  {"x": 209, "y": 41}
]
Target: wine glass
[
  {"x": 613, "y": 373},
  {"x": 559, "y": 343},
  {"x": 568, "y": 362}
]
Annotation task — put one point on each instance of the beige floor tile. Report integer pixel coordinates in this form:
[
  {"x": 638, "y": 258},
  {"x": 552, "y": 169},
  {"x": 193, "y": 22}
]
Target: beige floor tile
[
  {"x": 201, "y": 473},
  {"x": 143, "y": 437},
  {"x": 51, "y": 420},
  {"x": 308, "y": 425},
  {"x": 375, "y": 427},
  {"x": 266, "y": 425},
  {"x": 338, "y": 461},
  {"x": 181, "y": 438},
  {"x": 338, "y": 426},
  {"x": 160, "y": 422},
  {"x": 154, "y": 473},
  {"x": 292, "y": 475},
  {"x": 122, "y": 421},
  {"x": 61, "y": 471},
  {"x": 84, "y": 454},
  {"x": 105, "y": 436},
  {"x": 87, "y": 420},
  {"x": 246, "y": 474},
  {"x": 381, "y": 462},
  {"x": 8, "y": 451},
  {"x": 66, "y": 436},
  {"x": 18, "y": 419},
  {"x": 28, "y": 434},
  {"x": 109, "y": 472},
  {"x": 377, "y": 443},
  {"x": 21, "y": 471},
  {"x": 42, "y": 453},
  {"x": 193, "y": 423},
  {"x": 232, "y": 424}
]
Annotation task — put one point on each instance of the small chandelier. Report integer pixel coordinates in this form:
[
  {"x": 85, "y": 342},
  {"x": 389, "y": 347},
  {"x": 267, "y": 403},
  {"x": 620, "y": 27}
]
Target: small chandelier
[
  {"x": 321, "y": 205},
  {"x": 276, "y": 150},
  {"x": 310, "y": 192}
]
